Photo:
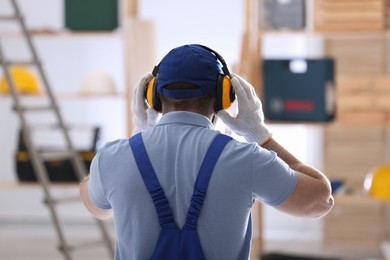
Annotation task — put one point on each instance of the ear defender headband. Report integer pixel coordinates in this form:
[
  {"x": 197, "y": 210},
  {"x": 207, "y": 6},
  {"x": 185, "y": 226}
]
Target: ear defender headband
[{"x": 224, "y": 91}]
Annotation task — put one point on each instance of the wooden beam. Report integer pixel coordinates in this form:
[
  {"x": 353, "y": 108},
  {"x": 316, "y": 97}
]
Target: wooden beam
[
  {"x": 130, "y": 9},
  {"x": 139, "y": 57}
]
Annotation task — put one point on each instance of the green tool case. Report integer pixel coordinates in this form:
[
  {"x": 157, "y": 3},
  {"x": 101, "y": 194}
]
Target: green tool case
[{"x": 91, "y": 15}]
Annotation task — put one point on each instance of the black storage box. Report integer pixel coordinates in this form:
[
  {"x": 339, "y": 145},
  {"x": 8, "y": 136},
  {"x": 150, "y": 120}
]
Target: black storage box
[
  {"x": 91, "y": 15},
  {"x": 299, "y": 90},
  {"x": 58, "y": 170}
]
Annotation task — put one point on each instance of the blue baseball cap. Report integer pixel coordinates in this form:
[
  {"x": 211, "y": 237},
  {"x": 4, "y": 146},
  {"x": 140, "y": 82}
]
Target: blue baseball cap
[{"x": 188, "y": 64}]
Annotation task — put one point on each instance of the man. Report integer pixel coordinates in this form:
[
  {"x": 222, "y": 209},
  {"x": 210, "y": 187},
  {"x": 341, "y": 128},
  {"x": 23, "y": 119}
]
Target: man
[{"x": 259, "y": 169}]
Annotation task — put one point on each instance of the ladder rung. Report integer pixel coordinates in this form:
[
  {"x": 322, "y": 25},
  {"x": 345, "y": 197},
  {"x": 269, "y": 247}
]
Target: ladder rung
[
  {"x": 57, "y": 126},
  {"x": 84, "y": 245},
  {"x": 89, "y": 244},
  {"x": 10, "y": 17},
  {"x": 64, "y": 200},
  {"x": 45, "y": 127},
  {"x": 22, "y": 63},
  {"x": 56, "y": 155},
  {"x": 37, "y": 108}
]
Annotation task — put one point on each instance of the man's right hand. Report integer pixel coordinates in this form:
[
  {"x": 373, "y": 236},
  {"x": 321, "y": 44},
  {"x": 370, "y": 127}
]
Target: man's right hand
[
  {"x": 143, "y": 116},
  {"x": 249, "y": 121}
]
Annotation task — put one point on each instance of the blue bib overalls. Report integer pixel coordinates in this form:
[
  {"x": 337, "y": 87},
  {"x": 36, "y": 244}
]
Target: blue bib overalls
[{"x": 175, "y": 243}]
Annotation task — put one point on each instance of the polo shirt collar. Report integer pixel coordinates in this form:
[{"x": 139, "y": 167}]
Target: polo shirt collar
[{"x": 188, "y": 118}]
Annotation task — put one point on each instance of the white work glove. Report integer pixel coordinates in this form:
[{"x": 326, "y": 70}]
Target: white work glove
[
  {"x": 249, "y": 121},
  {"x": 143, "y": 116}
]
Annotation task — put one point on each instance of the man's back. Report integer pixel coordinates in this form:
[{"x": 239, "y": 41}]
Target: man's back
[
  {"x": 176, "y": 147},
  {"x": 190, "y": 86}
]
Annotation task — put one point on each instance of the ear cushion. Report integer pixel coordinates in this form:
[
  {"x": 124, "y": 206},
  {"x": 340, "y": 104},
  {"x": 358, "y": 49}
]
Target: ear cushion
[
  {"x": 228, "y": 95},
  {"x": 151, "y": 95},
  {"x": 155, "y": 99},
  {"x": 224, "y": 93},
  {"x": 149, "y": 92}
]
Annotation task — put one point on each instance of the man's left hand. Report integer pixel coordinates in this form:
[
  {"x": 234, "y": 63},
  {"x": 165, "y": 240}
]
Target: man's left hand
[{"x": 143, "y": 116}]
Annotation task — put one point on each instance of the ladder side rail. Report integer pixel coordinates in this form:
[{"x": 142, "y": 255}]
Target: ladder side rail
[
  {"x": 37, "y": 163},
  {"x": 106, "y": 237},
  {"x": 77, "y": 162}
]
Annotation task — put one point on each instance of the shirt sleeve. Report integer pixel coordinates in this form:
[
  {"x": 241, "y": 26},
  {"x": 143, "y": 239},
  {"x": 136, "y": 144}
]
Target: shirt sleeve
[
  {"x": 95, "y": 188},
  {"x": 273, "y": 180}
]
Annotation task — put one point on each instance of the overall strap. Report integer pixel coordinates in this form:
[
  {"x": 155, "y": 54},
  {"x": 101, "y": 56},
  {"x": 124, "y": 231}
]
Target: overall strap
[
  {"x": 203, "y": 179},
  {"x": 152, "y": 184}
]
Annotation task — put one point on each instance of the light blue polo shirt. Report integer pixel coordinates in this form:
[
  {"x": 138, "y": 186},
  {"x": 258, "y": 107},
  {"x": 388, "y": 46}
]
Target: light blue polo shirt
[{"x": 176, "y": 147}]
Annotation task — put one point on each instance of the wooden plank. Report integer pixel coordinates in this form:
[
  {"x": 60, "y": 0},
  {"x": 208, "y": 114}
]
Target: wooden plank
[
  {"x": 362, "y": 118},
  {"x": 344, "y": 157},
  {"x": 347, "y": 17},
  {"x": 355, "y": 84},
  {"x": 348, "y": 1},
  {"x": 357, "y": 27},
  {"x": 387, "y": 14},
  {"x": 382, "y": 102},
  {"x": 337, "y": 133},
  {"x": 347, "y": 5},
  {"x": 139, "y": 40},
  {"x": 357, "y": 56},
  {"x": 356, "y": 222},
  {"x": 382, "y": 83},
  {"x": 336, "y": 16},
  {"x": 357, "y": 102},
  {"x": 130, "y": 8}
]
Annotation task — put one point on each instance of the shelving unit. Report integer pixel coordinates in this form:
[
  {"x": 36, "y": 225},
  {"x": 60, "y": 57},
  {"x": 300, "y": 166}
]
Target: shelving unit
[
  {"x": 138, "y": 50},
  {"x": 79, "y": 107},
  {"x": 64, "y": 34},
  {"x": 356, "y": 34},
  {"x": 358, "y": 224}
]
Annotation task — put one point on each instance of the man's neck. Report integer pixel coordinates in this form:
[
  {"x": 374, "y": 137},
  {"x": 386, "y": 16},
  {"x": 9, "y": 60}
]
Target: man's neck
[{"x": 194, "y": 110}]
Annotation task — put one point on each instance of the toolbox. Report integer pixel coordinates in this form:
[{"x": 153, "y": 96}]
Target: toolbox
[
  {"x": 299, "y": 90},
  {"x": 58, "y": 170},
  {"x": 91, "y": 15}
]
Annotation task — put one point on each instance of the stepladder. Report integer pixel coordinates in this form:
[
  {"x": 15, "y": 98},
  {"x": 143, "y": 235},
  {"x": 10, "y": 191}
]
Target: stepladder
[{"x": 47, "y": 107}]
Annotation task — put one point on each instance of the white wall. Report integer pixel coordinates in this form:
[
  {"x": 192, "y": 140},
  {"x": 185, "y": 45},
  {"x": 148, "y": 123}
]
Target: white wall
[{"x": 217, "y": 24}]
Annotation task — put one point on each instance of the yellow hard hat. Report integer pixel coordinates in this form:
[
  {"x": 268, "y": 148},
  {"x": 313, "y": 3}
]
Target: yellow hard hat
[
  {"x": 25, "y": 81},
  {"x": 377, "y": 183}
]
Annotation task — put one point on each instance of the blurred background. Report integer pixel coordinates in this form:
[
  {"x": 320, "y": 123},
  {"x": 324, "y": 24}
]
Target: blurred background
[{"x": 320, "y": 67}]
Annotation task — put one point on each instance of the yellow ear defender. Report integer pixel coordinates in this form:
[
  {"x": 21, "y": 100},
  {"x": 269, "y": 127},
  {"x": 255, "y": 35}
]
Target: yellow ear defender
[
  {"x": 149, "y": 92},
  {"x": 224, "y": 91}
]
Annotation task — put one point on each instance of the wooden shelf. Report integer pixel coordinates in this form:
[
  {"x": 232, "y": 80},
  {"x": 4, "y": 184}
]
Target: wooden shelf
[
  {"x": 89, "y": 96},
  {"x": 285, "y": 31},
  {"x": 343, "y": 34},
  {"x": 63, "y": 34},
  {"x": 15, "y": 184},
  {"x": 61, "y": 96}
]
